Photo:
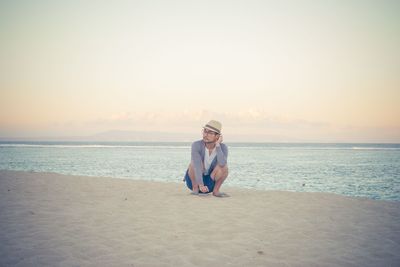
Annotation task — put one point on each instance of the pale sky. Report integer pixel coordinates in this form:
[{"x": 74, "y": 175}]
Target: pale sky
[{"x": 315, "y": 71}]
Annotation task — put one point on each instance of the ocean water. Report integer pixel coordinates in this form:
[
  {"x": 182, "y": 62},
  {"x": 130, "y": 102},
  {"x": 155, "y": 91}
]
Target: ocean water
[{"x": 364, "y": 170}]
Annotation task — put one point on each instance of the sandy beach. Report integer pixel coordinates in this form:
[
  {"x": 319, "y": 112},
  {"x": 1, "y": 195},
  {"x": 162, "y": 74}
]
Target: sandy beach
[{"x": 50, "y": 219}]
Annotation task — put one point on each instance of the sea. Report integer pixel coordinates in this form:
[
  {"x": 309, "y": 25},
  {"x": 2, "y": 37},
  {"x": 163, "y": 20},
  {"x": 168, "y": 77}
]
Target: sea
[{"x": 357, "y": 170}]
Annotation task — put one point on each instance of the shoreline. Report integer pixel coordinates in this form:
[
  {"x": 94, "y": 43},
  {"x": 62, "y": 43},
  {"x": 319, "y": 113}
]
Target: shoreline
[
  {"x": 54, "y": 219},
  {"x": 226, "y": 186}
]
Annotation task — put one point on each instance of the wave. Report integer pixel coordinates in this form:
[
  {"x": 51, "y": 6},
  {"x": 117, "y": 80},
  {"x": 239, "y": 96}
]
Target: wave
[
  {"x": 376, "y": 148},
  {"x": 313, "y": 148}
]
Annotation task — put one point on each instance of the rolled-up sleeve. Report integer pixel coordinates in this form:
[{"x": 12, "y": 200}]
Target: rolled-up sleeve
[
  {"x": 222, "y": 155},
  {"x": 196, "y": 161}
]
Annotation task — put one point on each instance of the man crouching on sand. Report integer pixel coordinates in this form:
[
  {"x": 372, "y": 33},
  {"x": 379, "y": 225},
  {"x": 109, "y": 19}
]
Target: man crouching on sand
[{"x": 208, "y": 166}]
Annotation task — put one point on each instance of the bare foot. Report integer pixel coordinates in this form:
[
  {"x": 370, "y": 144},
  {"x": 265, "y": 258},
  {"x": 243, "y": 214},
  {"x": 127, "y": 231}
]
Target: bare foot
[{"x": 220, "y": 194}]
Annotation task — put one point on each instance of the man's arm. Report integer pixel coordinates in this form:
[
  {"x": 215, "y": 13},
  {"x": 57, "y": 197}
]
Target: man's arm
[
  {"x": 222, "y": 155},
  {"x": 196, "y": 161},
  {"x": 222, "y": 152}
]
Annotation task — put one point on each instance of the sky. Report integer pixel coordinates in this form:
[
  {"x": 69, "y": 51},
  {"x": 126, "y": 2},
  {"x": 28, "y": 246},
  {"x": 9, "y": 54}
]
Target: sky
[{"x": 270, "y": 71}]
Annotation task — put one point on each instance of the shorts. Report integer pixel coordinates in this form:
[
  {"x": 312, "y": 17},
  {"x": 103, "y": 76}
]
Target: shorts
[{"x": 206, "y": 180}]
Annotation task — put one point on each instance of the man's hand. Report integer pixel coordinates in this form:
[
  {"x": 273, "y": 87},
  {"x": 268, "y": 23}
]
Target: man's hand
[
  {"x": 219, "y": 140},
  {"x": 203, "y": 188}
]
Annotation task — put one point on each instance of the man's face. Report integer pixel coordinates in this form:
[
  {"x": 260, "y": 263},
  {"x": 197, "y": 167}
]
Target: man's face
[{"x": 209, "y": 136}]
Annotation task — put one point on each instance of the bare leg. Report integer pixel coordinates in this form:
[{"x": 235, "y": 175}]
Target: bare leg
[
  {"x": 219, "y": 174},
  {"x": 195, "y": 186}
]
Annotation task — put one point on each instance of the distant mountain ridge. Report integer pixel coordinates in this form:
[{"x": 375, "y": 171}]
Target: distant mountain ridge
[
  {"x": 115, "y": 135},
  {"x": 153, "y": 136}
]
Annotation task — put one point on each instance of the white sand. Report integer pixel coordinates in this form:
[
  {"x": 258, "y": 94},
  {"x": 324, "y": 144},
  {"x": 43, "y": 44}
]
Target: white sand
[{"x": 49, "y": 219}]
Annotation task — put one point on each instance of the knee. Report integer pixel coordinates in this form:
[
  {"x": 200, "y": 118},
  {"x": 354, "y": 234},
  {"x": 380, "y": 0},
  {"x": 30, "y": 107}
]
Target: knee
[
  {"x": 221, "y": 172},
  {"x": 190, "y": 168},
  {"x": 225, "y": 171},
  {"x": 191, "y": 171}
]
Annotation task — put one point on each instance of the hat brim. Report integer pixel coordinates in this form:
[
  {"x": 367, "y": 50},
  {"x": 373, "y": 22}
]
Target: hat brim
[{"x": 208, "y": 127}]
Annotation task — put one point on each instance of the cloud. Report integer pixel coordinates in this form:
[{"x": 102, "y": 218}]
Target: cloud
[
  {"x": 247, "y": 125},
  {"x": 250, "y": 121}
]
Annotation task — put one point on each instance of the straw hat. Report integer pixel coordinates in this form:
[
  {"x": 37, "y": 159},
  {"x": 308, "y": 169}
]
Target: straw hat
[{"x": 214, "y": 126}]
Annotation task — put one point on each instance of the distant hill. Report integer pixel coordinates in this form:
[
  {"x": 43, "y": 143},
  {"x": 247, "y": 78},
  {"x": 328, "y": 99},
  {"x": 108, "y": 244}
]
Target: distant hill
[
  {"x": 115, "y": 135},
  {"x": 152, "y": 136}
]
